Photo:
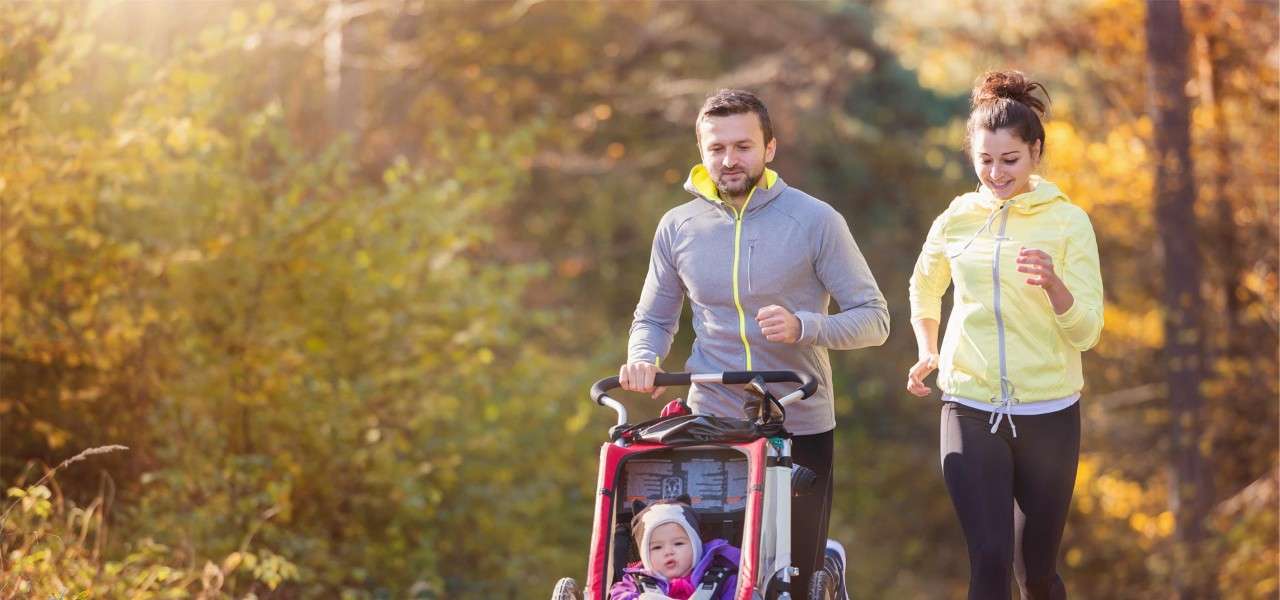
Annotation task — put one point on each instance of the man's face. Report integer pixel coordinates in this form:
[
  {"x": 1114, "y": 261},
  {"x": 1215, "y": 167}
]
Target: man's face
[{"x": 734, "y": 152}]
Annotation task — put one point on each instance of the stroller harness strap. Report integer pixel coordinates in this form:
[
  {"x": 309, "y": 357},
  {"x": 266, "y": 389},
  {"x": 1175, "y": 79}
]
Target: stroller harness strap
[
  {"x": 647, "y": 584},
  {"x": 712, "y": 581}
]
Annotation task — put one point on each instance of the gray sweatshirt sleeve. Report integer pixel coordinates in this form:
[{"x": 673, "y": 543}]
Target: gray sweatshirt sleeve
[
  {"x": 863, "y": 319},
  {"x": 657, "y": 316}
]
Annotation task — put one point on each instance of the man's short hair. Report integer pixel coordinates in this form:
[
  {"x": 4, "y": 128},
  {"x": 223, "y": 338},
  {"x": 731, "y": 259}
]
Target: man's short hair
[{"x": 736, "y": 102}]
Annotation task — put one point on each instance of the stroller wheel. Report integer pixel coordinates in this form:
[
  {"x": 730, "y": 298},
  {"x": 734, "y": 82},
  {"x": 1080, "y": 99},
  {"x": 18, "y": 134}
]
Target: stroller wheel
[
  {"x": 822, "y": 586},
  {"x": 566, "y": 589}
]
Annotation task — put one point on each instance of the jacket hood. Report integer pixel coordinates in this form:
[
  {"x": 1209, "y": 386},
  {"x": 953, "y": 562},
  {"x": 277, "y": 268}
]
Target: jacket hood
[
  {"x": 703, "y": 186},
  {"x": 1041, "y": 196}
]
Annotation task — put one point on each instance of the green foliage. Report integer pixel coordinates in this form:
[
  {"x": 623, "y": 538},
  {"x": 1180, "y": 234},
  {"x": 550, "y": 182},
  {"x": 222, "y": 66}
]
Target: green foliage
[
  {"x": 304, "y": 358},
  {"x": 54, "y": 549}
]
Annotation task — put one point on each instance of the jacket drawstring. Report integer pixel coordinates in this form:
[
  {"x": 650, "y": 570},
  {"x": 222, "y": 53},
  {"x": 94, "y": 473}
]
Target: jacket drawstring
[
  {"x": 1006, "y": 401},
  {"x": 985, "y": 227}
]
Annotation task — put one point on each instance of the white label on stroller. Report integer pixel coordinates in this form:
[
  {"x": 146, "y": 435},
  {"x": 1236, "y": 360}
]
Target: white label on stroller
[{"x": 713, "y": 485}]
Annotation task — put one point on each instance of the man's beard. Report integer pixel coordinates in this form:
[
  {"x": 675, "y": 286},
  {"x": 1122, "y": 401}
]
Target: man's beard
[{"x": 738, "y": 189}]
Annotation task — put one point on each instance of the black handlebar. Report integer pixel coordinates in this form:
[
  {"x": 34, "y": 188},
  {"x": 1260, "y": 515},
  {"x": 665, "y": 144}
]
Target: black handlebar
[{"x": 808, "y": 385}]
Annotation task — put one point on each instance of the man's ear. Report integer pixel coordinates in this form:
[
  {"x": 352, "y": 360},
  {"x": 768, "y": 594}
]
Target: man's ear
[
  {"x": 770, "y": 149},
  {"x": 1036, "y": 146}
]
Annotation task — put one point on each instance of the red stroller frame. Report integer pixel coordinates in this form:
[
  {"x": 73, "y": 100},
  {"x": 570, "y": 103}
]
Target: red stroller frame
[{"x": 751, "y": 481}]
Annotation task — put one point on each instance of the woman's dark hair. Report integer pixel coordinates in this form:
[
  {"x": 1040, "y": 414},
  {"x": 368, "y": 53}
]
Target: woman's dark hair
[
  {"x": 1004, "y": 99},
  {"x": 736, "y": 102}
]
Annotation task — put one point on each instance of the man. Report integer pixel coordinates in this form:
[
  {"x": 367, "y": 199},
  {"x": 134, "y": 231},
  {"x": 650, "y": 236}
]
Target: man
[{"x": 760, "y": 262}]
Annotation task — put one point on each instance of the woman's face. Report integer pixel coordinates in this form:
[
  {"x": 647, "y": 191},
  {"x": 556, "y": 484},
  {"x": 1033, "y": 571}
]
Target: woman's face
[{"x": 1004, "y": 162}]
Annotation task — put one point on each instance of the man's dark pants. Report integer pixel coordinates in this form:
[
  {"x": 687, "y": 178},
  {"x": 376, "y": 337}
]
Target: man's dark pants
[{"x": 810, "y": 512}]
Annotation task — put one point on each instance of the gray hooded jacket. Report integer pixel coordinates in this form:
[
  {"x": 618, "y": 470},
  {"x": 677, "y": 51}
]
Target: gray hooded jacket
[{"x": 785, "y": 248}]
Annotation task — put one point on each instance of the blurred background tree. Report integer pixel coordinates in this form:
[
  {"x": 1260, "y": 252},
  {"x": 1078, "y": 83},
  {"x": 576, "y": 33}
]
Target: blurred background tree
[{"x": 339, "y": 273}]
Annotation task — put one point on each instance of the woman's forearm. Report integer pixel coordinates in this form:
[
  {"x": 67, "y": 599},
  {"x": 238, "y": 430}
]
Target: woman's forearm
[
  {"x": 926, "y": 331},
  {"x": 1060, "y": 297}
]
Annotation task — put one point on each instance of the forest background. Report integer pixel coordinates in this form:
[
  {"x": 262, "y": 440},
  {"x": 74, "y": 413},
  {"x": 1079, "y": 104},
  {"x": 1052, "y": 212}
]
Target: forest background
[{"x": 338, "y": 274}]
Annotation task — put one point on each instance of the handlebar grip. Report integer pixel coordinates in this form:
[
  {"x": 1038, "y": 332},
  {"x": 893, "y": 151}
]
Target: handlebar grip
[
  {"x": 808, "y": 385},
  {"x": 734, "y": 377},
  {"x": 666, "y": 379}
]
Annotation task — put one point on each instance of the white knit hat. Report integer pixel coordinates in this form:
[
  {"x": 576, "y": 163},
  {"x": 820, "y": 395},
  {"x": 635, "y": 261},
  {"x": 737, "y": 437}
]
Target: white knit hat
[{"x": 661, "y": 513}]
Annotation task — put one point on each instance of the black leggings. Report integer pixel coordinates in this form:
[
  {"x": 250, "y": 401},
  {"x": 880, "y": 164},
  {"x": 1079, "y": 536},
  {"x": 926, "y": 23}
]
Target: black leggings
[
  {"x": 1012, "y": 496},
  {"x": 810, "y": 512}
]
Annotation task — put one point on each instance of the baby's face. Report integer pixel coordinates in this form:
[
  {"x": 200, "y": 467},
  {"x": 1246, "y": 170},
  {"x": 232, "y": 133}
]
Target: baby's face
[{"x": 670, "y": 551}]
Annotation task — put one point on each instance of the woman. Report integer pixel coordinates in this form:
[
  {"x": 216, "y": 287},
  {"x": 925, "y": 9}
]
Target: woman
[{"x": 1028, "y": 301}]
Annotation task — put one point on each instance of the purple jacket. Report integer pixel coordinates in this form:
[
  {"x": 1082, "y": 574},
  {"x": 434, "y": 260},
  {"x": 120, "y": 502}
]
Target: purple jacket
[{"x": 629, "y": 588}]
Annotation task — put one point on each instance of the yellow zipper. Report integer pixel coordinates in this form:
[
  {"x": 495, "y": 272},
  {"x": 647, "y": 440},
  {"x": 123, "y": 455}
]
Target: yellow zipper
[{"x": 737, "y": 252}]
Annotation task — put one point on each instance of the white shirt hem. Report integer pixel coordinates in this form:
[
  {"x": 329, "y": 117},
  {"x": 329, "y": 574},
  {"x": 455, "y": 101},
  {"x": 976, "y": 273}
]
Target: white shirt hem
[{"x": 1040, "y": 407}]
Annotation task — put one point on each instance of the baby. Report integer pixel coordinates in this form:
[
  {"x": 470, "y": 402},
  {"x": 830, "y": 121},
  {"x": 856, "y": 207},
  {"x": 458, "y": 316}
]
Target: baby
[{"x": 674, "y": 562}]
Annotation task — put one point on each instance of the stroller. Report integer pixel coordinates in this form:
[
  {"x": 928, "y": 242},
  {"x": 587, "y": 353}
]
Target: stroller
[{"x": 737, "y": 472}]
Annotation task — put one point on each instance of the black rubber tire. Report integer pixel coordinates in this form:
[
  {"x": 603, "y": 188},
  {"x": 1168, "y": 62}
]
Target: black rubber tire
[
  {"x": 566, "y": 589},
  {"x": 822, "y": 586}
]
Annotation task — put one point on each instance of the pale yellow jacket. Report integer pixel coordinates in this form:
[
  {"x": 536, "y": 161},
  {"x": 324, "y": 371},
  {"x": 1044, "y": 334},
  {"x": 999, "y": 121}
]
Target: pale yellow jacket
[{"x": 1041, "y": 349}]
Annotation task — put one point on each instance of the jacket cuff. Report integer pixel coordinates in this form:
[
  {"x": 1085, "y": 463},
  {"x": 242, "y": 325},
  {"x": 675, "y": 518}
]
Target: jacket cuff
[
  {"x": 810, "y": 327},
  {"x": 643, "y": 356},
  {"x": 1068, "y": 320},
  {"x": 924, "y": 309}
]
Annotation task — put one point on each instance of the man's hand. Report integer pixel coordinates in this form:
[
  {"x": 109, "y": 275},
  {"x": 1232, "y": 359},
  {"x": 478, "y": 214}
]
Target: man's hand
[
  {"x": 638, "y": 377},
  {"x": 778, "y": 324}
]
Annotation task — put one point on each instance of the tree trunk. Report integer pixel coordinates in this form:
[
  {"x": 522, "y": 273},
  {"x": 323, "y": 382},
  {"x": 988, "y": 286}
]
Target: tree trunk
[
  {"x": 1226, "y": 235},
  {"x": 1184, "y": 335},
  {"x": 342, "y": 80}
]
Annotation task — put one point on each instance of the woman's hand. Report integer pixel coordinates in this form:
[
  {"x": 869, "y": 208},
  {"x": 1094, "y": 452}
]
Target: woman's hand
[
  {"x": 1039, "y": 265},
  {"x": 915, "y": 377}
]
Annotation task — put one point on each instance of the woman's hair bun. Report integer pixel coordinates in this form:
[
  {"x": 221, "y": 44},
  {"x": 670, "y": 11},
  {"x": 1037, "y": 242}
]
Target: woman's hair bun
[{"x": 1011, "y": 85}]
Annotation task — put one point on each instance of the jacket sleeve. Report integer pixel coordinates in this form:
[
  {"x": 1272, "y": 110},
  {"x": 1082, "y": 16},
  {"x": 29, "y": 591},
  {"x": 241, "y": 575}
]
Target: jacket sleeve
[
  {"x": 863, "y": 319},
  {"x": 730, "y": 586},
  {"x": 625, "y": 589},
  {"x": 1081, "y": 325},
  {"x": 932, "y": 274},
  {"x": 657, "y": 316}
]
